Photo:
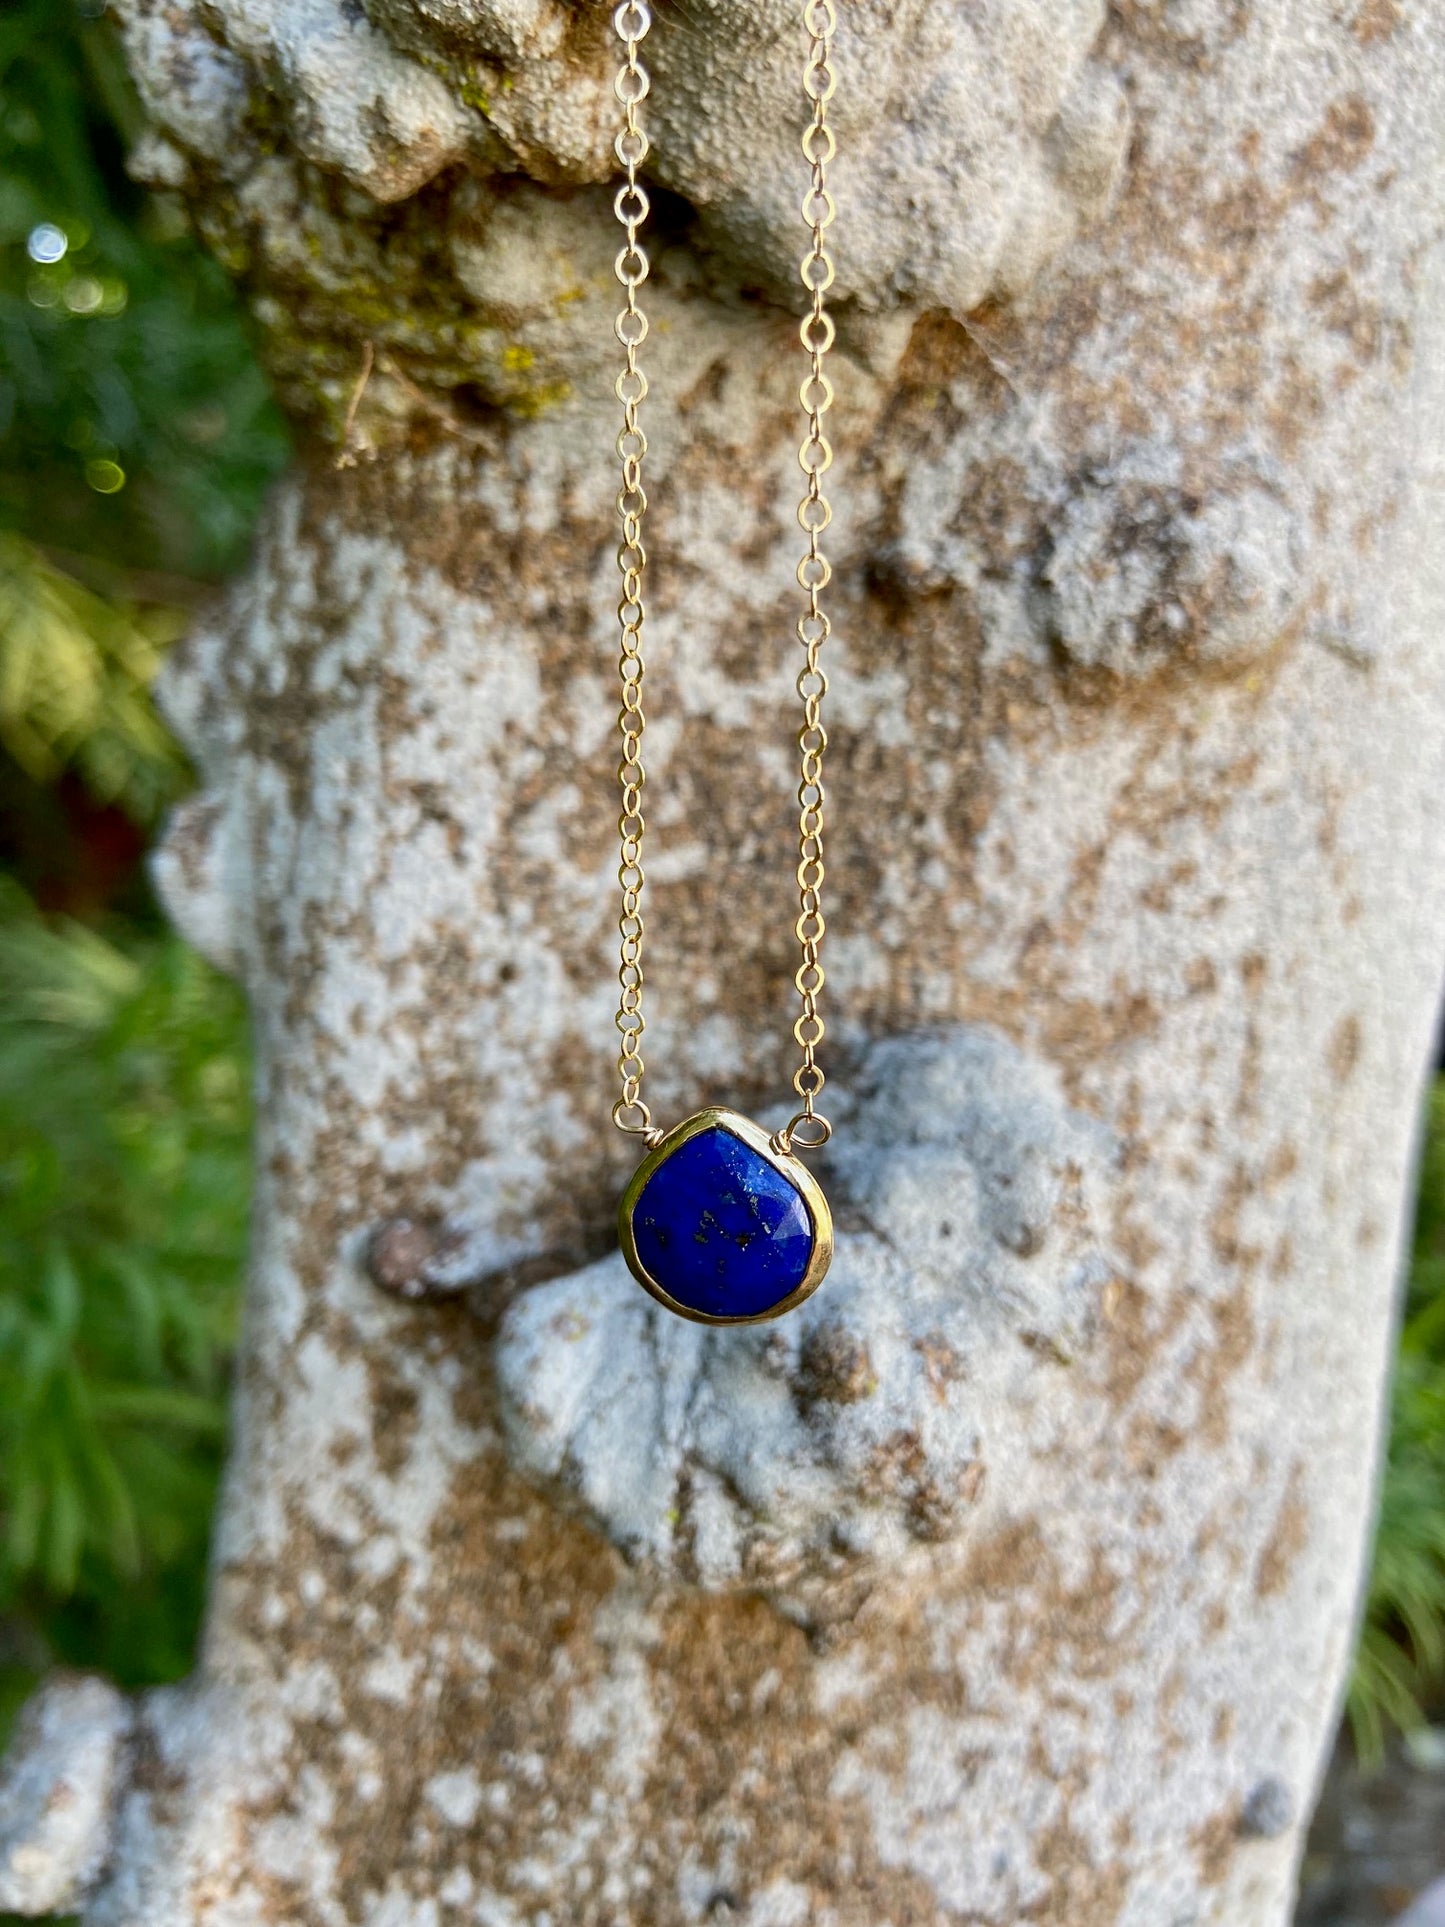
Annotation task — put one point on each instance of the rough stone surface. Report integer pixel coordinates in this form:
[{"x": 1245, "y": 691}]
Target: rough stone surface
[
  {"x": 1137, "y": 762},
  {"x": 60, "y": 1783},
  {"x": 998, "y": 132},
  {"x": 1428, "y": 1910},
  {"x": 851, "y": 1432}
]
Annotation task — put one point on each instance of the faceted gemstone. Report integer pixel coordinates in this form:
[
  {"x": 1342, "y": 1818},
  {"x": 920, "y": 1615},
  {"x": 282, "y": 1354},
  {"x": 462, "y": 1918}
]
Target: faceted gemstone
[{"x": 721, "y": 1229}]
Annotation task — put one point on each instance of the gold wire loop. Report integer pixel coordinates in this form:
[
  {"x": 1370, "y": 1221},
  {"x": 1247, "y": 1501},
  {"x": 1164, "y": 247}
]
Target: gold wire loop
[
  {"x": 634, "y": 1118},
  {"x": 806, "y": 1132},
  {"x": 632, "y": 205}
]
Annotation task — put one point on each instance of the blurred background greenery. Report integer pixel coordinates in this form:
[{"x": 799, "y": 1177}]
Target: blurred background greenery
[
  {"x": 136, "y": 443},
  {"x": 137, "y": 439}
]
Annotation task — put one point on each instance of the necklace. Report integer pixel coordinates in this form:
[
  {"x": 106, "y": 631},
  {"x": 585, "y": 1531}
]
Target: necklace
[{"x": 722, "y": 1222}]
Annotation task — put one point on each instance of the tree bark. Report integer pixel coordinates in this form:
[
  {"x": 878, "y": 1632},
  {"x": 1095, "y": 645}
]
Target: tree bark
[{"x": 1014, "y": 1579}]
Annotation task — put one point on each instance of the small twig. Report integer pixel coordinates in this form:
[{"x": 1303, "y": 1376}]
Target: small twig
[
  {"x": 384, "y": 364},
  {"x": 431, "y": 406},
  {"x": 347, "y": 457}
]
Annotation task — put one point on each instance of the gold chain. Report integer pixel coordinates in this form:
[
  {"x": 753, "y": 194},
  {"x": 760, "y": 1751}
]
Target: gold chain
[
  {"x": 808, "y": 1129},
  {"x": 814, "y": 575},
  {"x": 631, "y": 21}
]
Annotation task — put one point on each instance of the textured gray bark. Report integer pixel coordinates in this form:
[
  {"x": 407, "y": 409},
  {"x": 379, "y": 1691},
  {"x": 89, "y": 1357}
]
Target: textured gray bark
[{"x": 1014, "y": 1579}]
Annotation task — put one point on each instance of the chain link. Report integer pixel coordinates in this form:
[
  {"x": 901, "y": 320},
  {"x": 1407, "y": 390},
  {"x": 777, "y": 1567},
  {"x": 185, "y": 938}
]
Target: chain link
[{"x": 631, "y": 21}]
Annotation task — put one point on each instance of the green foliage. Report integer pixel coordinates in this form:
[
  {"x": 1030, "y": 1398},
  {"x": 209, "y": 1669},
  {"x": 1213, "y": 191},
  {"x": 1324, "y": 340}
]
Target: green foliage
[
  {"x": 137, "y": 438},
  {"x": 135, "y": 425},
  {"x": 123, "y": 1198},
  {"x": 75, "y": 676},
  {"x": 1400, "y": 1668},
  {"x": 136, "y": 441}
]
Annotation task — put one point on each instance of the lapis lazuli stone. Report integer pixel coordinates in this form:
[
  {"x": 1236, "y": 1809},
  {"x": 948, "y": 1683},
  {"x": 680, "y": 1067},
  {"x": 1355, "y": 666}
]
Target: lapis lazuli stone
[{"x": 722, "y": 1230}]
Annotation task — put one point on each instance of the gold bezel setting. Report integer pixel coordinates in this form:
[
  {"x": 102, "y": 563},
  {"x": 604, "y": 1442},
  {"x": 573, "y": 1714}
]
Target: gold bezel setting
[{"x": 792, "y": 1168}]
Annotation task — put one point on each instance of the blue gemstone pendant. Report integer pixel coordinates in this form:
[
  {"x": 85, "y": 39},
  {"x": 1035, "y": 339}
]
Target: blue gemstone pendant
[{"x": 721, "y": 1227}]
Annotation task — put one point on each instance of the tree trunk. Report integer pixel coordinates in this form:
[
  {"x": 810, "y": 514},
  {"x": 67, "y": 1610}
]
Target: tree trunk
[{"x": 1013, "y": 1579}]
